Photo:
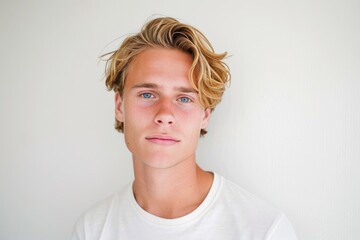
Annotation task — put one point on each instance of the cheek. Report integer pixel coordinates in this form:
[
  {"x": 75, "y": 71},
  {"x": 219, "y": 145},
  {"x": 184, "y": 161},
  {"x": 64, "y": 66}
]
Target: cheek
[
  {"x": 132, "y": 132},
  {"x": 132, "y": 109},
  {"x": 136, "y": 118},
  {"x": 192, "y": 119}
]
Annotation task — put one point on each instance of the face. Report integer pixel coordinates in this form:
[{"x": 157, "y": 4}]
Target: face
[{"x": 160, "y": 110}]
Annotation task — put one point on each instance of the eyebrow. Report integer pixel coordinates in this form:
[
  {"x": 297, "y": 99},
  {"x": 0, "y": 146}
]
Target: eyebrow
[
  {"x": 145, "y": 85},
  {"x": 155, "y": 86}
]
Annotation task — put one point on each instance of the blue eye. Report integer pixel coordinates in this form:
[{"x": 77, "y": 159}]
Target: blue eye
[
  {"x": 146, "y": 95},
  {"x": 184, "y": 99}
]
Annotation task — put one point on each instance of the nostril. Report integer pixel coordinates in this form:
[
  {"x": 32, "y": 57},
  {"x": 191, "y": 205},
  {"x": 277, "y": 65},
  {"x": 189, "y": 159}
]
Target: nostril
[{"x": 159, "y": 121}]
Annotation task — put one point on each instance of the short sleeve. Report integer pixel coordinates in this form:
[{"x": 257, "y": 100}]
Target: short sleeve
[
  {"x": 79, "y": 230},
  {"x": 281, "y": 230}
]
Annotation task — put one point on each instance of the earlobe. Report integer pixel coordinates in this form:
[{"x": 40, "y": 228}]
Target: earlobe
[
  {"x": 206, "y": 118},
  {"x": 119, "y": 112}
]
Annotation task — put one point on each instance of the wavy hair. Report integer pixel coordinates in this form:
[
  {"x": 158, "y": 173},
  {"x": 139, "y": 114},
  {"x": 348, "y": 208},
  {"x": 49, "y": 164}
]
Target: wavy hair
[{"x": 208, "y": 74}]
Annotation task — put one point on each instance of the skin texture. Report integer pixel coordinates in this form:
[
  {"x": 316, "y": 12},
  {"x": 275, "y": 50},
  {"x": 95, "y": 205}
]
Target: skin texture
[{"x": 163, "y": 117}]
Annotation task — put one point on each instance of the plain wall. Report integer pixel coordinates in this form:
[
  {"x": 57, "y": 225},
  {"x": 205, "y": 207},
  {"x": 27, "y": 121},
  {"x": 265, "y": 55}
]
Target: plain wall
[{"x": 288, "y": 128}]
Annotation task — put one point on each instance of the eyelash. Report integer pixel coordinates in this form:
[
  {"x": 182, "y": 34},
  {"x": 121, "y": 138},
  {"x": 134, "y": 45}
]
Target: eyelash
[
  {"x": 147, "y": 95},
  {"x": 188, "y": 100},
  {"x": 150, "y": 95}
]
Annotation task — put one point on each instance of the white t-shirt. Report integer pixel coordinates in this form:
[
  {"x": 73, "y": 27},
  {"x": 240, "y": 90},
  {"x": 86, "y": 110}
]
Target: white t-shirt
[{"x": 228, "y": 212}]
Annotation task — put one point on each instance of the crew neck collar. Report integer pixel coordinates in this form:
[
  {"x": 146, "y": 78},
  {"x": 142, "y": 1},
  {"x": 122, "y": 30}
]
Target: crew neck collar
[{"x": 199, "y": 211}]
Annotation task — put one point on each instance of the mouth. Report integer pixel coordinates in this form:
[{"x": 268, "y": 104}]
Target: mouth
[{"x": 162, "y": 140}]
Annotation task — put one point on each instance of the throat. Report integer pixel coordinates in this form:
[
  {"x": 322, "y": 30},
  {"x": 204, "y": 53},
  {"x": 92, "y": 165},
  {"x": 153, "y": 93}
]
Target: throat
[{"x": 173, "y": 200}]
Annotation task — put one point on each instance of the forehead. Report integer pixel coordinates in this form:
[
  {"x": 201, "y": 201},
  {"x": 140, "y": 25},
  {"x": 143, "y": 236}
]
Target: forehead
[
  {"x": 157, "y": 63},
  {"x": 159, "y": 54}
]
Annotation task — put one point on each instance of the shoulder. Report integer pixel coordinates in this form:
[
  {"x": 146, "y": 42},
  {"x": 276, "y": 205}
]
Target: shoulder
[
  {"x": 92, "y": 221},
  {"x": 240, "y": 198},
  {"x": 252, "y": 212}
]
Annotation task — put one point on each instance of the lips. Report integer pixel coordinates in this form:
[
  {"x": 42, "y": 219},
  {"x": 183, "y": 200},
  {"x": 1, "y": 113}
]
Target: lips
[{"x": 162, "y": 140}]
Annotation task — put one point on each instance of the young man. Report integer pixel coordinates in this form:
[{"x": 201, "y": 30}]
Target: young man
[{"x": 167, "y": 79}]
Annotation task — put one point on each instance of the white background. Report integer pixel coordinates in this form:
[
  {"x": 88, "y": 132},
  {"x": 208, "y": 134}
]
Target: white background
[{"x": 288, "y": 128}]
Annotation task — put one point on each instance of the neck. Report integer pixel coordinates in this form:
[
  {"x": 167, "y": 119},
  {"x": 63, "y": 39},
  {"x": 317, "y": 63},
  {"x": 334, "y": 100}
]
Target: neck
[{"x": 172, "y": 192}]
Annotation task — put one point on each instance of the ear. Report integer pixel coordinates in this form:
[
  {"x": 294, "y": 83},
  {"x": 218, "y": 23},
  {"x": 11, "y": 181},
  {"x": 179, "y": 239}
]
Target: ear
[
  {"x": 206, "y": 118},
  {"x": 119, "y": 108}
]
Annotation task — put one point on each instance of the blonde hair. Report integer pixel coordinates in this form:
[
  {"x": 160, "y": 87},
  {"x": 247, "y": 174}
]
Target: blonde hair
[{"x": 208, "y": 74}]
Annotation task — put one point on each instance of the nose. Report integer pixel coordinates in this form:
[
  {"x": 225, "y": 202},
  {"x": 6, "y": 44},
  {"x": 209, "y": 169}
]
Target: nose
[{"x": 164, "y": 115}]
